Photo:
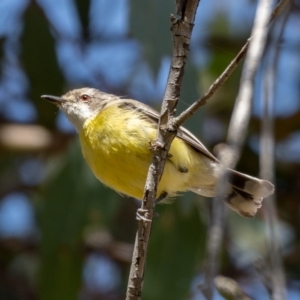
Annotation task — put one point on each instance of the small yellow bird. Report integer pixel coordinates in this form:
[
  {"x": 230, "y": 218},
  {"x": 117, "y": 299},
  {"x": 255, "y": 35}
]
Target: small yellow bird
[{"x": 115, "y": 134}]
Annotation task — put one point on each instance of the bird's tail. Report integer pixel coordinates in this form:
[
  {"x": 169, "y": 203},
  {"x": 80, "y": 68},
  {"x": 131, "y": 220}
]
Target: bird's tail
[{"x": 246, "y": 193}]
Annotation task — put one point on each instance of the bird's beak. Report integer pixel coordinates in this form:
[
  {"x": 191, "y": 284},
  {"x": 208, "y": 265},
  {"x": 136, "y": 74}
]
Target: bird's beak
[{"x": 53, "y": 99}]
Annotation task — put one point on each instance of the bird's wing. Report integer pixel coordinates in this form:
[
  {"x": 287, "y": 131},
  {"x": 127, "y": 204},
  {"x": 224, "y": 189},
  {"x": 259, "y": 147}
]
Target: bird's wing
[{"x": 182, "y": 133}]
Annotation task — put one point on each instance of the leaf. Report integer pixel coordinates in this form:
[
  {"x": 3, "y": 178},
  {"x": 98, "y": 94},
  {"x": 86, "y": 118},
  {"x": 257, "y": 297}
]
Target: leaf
[
  {"x": 83, "y": 8},
  {"x": 40, "y": 63},
  {"x": 175, "y": 252},
  {"x": 69, "y": 196}
]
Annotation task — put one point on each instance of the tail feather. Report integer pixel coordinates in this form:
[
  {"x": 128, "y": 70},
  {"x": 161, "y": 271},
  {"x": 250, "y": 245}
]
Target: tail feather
[
  {"x": 245, "y": 194},
  {"x": 243, "y": 203},
  {"x": 252, "y": 185}
]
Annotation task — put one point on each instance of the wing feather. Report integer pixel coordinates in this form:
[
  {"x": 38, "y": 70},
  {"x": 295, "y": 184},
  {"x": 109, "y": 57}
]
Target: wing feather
[{"x": 182, "y": 133}]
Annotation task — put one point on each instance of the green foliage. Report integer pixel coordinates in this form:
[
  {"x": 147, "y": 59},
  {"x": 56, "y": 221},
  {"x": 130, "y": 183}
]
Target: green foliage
[
  {"x": 176, "y": 248},
  {"x": 69, "y": 195},
  {"x": 40, "y": 62},
  {"x": 83, "y": 9},
  {"x": 152, "y": 28}
]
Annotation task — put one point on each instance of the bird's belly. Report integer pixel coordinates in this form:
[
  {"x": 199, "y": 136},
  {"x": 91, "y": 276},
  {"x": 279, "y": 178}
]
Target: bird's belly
[
  {"x": 121, "y": 167},
  {"x": 120, "y": 158}
]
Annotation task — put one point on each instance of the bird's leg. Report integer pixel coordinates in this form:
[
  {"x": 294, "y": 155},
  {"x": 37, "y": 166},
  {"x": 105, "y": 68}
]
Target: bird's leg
[{"x": 161, "y": 197}]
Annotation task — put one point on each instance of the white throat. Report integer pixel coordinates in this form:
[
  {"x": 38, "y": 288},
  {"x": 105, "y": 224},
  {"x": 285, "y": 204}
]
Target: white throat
[{"x": 78, "y": 114}]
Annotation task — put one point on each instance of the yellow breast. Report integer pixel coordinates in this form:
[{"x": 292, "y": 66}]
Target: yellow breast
[{"x": 116, "y": 146}]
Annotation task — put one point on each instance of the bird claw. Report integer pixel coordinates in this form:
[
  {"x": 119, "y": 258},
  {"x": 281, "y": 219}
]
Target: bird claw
[{"x": 143, "y": 215}]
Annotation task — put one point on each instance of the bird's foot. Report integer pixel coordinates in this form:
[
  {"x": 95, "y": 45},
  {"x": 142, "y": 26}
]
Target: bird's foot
[{"x": 143, "y": 215}]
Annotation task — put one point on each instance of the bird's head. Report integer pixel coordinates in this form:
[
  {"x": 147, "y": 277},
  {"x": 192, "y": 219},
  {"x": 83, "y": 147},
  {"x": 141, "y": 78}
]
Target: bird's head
[{"x": 80, "y": 105}]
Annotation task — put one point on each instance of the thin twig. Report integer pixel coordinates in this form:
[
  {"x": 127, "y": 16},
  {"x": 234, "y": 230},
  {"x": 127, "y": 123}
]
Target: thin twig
[
  {"x": 214, "y": 238},
  {"x": 242, "y": 109},
  {"x": 224, "y": 76},
  {"x": 277, "y": 278},
  {"x": 213, "y": 88},
  {"x": 236, "y": 135},
  {"x": 263, "y": 270},
  {"x": 181, "y": 30},
  {"x": 279, "y": 8}
]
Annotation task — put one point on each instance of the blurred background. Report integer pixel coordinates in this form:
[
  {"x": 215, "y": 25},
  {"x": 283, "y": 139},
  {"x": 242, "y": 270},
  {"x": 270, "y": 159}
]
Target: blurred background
[{"x": 63, "y": 235}]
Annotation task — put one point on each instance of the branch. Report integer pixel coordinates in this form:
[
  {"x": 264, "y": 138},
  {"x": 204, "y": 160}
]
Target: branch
[
  {"x": 277, "y": 278},
  {"x": 242, "y": 109},
  {"x": 236, "y": 133},
  {"x": 263, "y": 270},
  {"x": 181, "y": 30},
  {"x": 214, "y": 238},
  {"x": 224, "y": 76}
]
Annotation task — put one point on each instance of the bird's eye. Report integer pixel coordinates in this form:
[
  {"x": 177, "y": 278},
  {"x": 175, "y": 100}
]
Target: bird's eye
[{"x": 85, "y": 97}]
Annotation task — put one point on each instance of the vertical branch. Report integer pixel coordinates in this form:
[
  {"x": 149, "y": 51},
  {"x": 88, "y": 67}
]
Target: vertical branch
[
  {"x": 181, "y": 31},
  {"x": 236, "y": 137},
  {"x": 242, "y": 109},
  {"x": 214, "y": 238},
  {"x": 277, "y": 284}
]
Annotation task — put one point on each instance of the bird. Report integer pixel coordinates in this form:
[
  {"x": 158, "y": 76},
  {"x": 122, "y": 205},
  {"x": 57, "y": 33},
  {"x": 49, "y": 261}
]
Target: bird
[{"x": 115, "y": 134}]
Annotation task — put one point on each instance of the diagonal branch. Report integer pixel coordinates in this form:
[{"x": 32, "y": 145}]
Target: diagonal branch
[{"x": 225, "y": 75}]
